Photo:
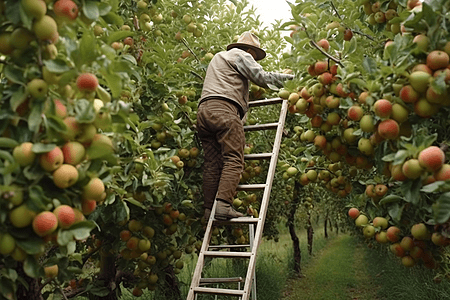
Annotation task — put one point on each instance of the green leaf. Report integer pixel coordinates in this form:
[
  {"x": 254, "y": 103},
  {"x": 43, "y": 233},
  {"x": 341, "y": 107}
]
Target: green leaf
[
  {"x": 32, "y": 245},
  {"x": 370, "y": 65},
  {"x": 31, "y": 267},
  {"x": 411, "y": 190},
  {"x": 56, "y": 124},
  {"x": 90, "y": 10},
  {"x": 390, "y": 199},
  {"x": 40, "y": 148},
  {"x": 400, "y": 157},
  {"x": 85, "y": 112},
  {"x": 119, "y": 35},
  {"x": 114, "y": 83},
  {"x": 5, "y": 155},
  {"x": 441, "y": 209},
  {"x": 14, "y": 74},
  {"x": 38, "y": 199},
  {"x": 7, "y": 143},
  {"x": 18, "y": 98},
  {"x": 395, "y": 211},
  {"x": 56, "y": 66},
  {"x": 433, "y": 187},
  {"x": 78, "y": 231},
  {"x": 35, "y": 118},
  {"x": 88, "y": 51}
]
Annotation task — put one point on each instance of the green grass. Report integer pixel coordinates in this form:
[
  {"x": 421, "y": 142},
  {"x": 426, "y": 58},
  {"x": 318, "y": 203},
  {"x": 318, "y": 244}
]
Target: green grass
[{"x": 397, "y": 282}]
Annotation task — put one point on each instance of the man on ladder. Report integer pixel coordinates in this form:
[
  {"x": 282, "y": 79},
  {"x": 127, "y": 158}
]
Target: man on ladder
[{"x": 220, "y": 119}]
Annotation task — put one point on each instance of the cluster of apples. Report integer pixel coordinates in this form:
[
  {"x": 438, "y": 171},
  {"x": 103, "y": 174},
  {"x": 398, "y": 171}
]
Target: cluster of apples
[
  {"x": 428, "y": 83},
  {"x": 251, "y": 170},
  {"x": 377, "y": 15},
  {"x": 412, "y": 248},
  {"x": 246, "y": 204},
  {"x": 44, "y": 25},
  {"x": 186, "y": 157}
]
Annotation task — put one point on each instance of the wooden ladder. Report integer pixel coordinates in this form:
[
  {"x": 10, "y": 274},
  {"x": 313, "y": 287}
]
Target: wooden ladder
[{"x": 197, "y": 284}]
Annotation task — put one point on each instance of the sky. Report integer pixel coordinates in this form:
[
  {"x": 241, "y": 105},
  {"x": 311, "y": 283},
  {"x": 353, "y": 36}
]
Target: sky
[{"x": 271, "y": 10}]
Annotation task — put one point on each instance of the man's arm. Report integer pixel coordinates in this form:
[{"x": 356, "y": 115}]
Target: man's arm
[{"x": 253, "y": 71}]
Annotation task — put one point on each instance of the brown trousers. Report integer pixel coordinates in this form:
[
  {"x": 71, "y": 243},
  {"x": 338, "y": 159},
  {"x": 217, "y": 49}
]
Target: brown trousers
[{"x": 222, "y": 135}]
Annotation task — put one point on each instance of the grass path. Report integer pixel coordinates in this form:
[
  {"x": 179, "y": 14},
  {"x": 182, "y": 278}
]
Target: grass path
[{"x": 337, "y": 272}]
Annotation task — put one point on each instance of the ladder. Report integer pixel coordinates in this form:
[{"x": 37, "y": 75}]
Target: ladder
[{"x": 197, "y": 284}]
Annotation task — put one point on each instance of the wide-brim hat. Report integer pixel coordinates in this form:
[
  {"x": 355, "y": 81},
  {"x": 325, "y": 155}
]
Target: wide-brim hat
[{"x": 249, "y": 40}]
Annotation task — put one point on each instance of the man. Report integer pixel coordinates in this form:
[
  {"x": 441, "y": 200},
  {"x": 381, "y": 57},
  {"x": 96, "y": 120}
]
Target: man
[{"x": 222, "y": 106}]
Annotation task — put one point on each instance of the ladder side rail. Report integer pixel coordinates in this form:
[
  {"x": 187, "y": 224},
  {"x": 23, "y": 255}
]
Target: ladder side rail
[
  {"x": 201, "y": 257},
  {"x": 265, "y": 199}
]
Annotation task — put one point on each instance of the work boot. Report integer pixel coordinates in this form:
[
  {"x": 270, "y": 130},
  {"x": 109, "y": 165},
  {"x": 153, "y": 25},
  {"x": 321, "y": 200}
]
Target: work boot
[
  {"x": 207, "y": 214},
  {"x": 225, "y": 211}
]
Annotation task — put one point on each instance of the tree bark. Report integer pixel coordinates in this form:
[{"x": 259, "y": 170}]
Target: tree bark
[
  {"x": 34, "y": 289},
  {"x": 310, "y": 235},
  {"x": 325, "y": 232},
  {"x": 108, "y": 275},
  {"x": 291, "y": 226},
  {"x": 172, "y": 288}
]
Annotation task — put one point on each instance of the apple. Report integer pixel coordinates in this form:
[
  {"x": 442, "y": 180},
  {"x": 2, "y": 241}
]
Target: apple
[
  {"x": 381, "y": 237},
  {"x": 437, "y": 60},
  {"x": 51, "y": 271},
  {"x": 393, "y": 234},
  {"x": 407, "y": 243},
  {"x": 73, "y": 152},
  {"x": 94, "y": 189},
  {"x": 65, "y": 215},
  {"x": 51, "y": 160},
  {"x": 86, "y": 134},
  {"x": 37, "y": 88},
  {"x": 412, "y": 169},
  {"x": 45, "y": 28},
  {"x": 420, "y": 232},
  {"x": 422, "y": 42},
  {"x": 34, "y": 8},
  {"x": 324, "y": 44},
  {"x": 23, "y": 154},
  {"x": 419, "y": 81},
  {"x": 65, "y": 176},
  {"x": 431, "y": 158},
  {"x": 21, "y": 216},
  {"x": 361, "y": 220},
  {"x": 45, "y": 223},
  {"x": 380, "y": 222}
]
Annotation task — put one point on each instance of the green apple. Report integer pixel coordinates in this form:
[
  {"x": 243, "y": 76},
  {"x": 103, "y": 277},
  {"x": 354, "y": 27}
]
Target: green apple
[
  {"x": 88, "y": 131},
  {"x": 23, "y": 154},
  {"x": 65, "y": 176},
  {"x": 34, "y": 8},
  {"x": 45, "y": 28},
  {"x": 94, "y": 189},
  {"x": 21, "y": 216},
  {"x": 37, "y": 88},
  {"x": 21, "y": 38},
  {"x": 419, "y": 81},
  {"x": 7, "y": 243}
]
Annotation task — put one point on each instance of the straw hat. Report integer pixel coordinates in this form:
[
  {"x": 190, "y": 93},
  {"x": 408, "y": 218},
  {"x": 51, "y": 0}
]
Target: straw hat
[{"x": 249, "y": 40}]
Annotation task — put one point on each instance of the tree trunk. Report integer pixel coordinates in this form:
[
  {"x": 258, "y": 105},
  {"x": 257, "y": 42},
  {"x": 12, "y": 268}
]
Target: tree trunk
[
  {"x": 172, "y": 288},
  {"x": 331, "y": 224},
  {"x": 310, "y": 235},
  {"x": 33, "y": 292},
  {"x": 291, "y": 226},
  {"x": 108, "y": 275}
]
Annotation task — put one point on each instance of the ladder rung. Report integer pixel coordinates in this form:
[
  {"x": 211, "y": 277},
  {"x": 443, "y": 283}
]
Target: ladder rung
[
  {"x": 226, "y": 254},
  {"x": 221, "y": 280},
  {"x": 228, "y": 246},
  {"x": 265, "y": 102},
  {"x": 203, "y": 290},
  {"x": 251, "y": 187},
  {"x": 242, "y": 220},
  {"x": 261, "y": 127},
  {"x": 258, "y": 156}
]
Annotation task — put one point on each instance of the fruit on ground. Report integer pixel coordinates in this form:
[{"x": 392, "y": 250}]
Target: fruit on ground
[
  {"x": 94, "y": 189},
  {"x": 45, "y": 28},
  {"x": 21, "y": 216},
  {"x": 73, "y": 153},
  {"x": 23, "y": 154},
  {"x": 7, "y": 244},
  {"x": 388, "y": 129},
  {"x": 412, "y": 169},
  {"x": 393, "y": 234},
  {"x": 361, "y": 220},
  {"x": 65, "y": 176},
  {"x": 431, "y": 158},
  {"x": 382, "y": 108},
  {"x": 51, "y": 271},
  {"x": 437, "y": 60},
  {"x": 51, "y": 160},
  {"x": 65, "y": 215},
  {"x": 45, "y": 223},
  {"x": 87, "y": 82},
  {"x": 420, "y": 231}
]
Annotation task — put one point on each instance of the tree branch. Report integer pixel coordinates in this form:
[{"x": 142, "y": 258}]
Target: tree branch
[
  {"x": 335, "y": 10},
  {"x": 314, "y": 44},
  {"x": 355, "y": 31},
  {"x": 189, "y": 48}
]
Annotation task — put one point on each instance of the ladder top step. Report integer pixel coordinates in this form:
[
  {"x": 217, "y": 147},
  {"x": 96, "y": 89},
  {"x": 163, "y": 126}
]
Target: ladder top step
[
  {"x": 265, "y": 102},
  {"x": 227, "y": 254},
  {"x": 221, "y": 280},
  {"x": 212, "y": 291},
  {"x": 261, "y": 127},
  {"x": 213, "y": 247},
  {"x": 258, "y": 156},
  {"x": 251, "y": 187},
  {"x": 242, "y": 220}
]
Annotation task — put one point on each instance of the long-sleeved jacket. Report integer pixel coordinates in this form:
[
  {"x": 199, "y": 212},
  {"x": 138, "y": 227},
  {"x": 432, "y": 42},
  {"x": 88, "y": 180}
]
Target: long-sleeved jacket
[{"x": 228, "y": 76}]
